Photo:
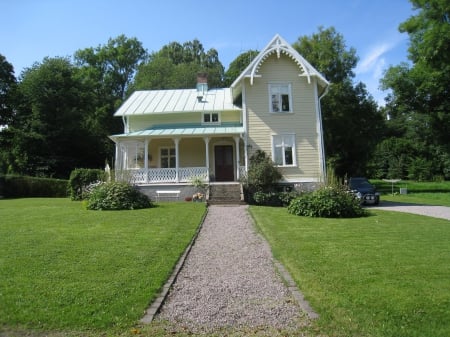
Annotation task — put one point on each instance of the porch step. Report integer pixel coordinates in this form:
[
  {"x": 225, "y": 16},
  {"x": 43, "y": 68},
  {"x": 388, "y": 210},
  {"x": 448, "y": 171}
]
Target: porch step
[{"x": 220, "y": 194}]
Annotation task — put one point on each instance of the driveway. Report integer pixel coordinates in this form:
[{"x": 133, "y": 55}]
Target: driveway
[{"x": 441, "y": 212}]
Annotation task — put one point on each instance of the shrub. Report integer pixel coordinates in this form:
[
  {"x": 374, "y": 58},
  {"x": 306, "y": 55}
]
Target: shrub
[
  {"x": 80, "y": 179},
  {"x": 327, "y": 202},
  {"x": 262, "y": 173},
  {"x": 117, "y": 196},
  {"x": 26, "y": 187},
  {"x": 274, "y": 198}
]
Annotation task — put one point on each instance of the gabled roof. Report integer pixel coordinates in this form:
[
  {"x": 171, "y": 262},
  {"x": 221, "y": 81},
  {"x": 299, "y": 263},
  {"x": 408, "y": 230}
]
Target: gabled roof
[
  {"x": 176, "y": 101},
  {"x": 278, "y": 46}
]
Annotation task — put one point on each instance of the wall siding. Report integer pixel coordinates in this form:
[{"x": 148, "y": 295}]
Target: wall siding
[{"x": 302, "y": 122}]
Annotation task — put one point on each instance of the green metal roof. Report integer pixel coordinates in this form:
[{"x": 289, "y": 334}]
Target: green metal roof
[{"x": 186, "y": 131}]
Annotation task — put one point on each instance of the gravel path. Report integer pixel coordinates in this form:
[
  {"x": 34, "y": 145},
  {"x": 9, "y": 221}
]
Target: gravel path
[
  {"x": 432, "y": 211},
  {"x": 229, "y": 280}
]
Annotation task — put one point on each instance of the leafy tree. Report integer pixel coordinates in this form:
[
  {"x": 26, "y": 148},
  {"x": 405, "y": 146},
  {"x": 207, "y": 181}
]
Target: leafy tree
[
  {"x": 352, "y": 122},
  {"x": 419, "y": 103},
  {"x": 8, "y": 85},
  {"x": 45, "y": 134},
  {"x": 238, "y": 65},
  {"x": 113, "y": 65},
  {"x": 176, "y": 65}
]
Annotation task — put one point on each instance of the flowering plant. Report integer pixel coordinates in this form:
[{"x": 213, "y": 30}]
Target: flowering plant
[{"x": 198, "y": 196}]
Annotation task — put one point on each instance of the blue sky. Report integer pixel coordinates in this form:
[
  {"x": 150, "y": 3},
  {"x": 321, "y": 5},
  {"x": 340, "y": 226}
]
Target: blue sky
[{"x": 33, "y": 29}]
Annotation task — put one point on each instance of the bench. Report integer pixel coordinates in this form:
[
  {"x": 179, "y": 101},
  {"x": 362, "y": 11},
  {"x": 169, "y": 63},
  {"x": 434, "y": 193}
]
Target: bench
[{"x": 167, "y": 194}]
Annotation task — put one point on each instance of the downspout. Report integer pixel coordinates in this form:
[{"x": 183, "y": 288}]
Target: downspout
[
  {"x": 322, "y": 143},
  {"x": 244, "y": 122}
]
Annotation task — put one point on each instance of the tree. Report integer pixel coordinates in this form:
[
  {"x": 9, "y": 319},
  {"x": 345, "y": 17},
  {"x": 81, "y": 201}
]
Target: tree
[
  {"x": 176, "y": 66},
  {"x": 419, "y": 103},
  {"x": 351, "y": 120},
  {"x": 8, "y": 85},
  {"x": 114, "y": 64},
  {"x": 238, "y": 65},
  {"x": 45, "y": 135}
]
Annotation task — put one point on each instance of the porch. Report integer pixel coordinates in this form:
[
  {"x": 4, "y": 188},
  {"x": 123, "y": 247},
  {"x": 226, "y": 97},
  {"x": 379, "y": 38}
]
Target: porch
[{"x": 170, "y": 160}]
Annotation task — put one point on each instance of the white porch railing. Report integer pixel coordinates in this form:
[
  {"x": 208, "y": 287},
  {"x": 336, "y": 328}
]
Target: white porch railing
[
  {"x": 163, "y": 175},
  {"x": 167, "y": 175}
]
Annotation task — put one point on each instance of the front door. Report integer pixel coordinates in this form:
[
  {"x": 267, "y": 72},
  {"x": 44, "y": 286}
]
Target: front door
[{"x": 224, "y": 167}]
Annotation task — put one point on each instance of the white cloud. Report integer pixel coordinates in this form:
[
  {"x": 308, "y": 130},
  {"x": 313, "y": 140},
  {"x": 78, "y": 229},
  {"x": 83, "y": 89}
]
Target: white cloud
[{"x": 373, "y": 61}]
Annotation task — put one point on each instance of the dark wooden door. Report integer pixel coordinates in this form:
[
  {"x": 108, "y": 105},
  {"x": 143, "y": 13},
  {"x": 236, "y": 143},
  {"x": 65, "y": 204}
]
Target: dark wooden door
[{"x": 224, "y": 163}]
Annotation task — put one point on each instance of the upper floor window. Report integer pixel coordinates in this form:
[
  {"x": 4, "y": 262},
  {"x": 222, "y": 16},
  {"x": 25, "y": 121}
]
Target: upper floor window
[
  {"x": 210, "y": 118},
  {"x": 280, "y": 97},
  {"x": 283, "y": 149}
]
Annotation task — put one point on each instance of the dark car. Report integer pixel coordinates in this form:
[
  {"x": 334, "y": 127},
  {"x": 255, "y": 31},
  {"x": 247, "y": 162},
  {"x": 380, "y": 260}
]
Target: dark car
[{"x": 364, "y": 191}]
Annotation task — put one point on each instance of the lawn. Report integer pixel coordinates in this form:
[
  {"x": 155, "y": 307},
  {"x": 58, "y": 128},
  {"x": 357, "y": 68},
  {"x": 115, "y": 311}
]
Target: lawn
[
  {"x": 384, "y": 275},
  {"x": 64, "y": 268}
]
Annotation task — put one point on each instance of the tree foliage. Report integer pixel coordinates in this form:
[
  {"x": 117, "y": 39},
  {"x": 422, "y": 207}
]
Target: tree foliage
[
  {"x": 238, "y": 65},
  {"x": 176, "y": 66},
  {"x": 419, "y": 103}
]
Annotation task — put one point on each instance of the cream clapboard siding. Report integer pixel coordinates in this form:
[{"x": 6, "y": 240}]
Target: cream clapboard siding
[
  {"x": 142, "y": 122},
  {"x": 302, "y": 122}
]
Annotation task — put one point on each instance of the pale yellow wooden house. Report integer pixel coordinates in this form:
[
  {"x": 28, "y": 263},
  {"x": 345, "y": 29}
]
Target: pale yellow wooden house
[{"x": 173, "y": 136}]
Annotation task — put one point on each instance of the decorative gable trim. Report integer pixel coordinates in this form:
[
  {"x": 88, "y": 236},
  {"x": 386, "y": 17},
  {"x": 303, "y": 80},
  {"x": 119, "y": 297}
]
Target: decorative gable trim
[{"x": 279, "y": 46}]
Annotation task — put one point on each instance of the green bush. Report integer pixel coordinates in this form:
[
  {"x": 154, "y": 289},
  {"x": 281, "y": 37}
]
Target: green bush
[
  {"x": 80, "y": 179},
  {"x": 117, "y": 196},
  {"x": 327, "y": 202},
  {"x": 262, "y": 174},
  {"x": 26, "y": 187},
  {"x": 274, "y": 198}
]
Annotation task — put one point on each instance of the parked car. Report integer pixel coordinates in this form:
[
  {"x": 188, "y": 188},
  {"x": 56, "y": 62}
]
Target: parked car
[{"x": 364, "y": 191}]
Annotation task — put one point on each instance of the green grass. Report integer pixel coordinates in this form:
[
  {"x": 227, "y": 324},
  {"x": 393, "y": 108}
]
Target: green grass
[
  {"x": 439, "y": 199},
  {"x": 64, "y": 268},
  {"x": 412, "y": 186},
  {"x": 384, "y": 275}
]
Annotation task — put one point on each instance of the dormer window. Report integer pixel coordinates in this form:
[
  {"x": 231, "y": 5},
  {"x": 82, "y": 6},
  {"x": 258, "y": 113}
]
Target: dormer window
[
  {"x": 280, "y": 97},
  {"x": 211, "y": 118}
]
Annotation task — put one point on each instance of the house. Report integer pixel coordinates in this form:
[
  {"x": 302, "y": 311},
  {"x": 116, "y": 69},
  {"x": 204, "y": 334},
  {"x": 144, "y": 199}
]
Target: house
[{"x": 171, "y": 136}]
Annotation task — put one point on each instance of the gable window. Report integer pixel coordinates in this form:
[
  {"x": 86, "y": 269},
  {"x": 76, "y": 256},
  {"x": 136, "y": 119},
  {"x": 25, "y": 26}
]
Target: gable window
[
  {"x": 211, "y": 118},
  {"x": 280, "y": 97},
  {"x": 283, "y": 150},
  {"x": 167, "y": 157}
]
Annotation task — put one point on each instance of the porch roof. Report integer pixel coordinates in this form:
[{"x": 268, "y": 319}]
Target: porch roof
[{"x": 185, "y": 131}]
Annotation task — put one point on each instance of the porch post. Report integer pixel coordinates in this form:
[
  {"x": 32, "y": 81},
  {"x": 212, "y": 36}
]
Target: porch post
[
  {"x": 177, "y": 159},
  {"x": 116, "y": 162},
  {"x": 146, "y": 142},
  {"x": 206, "y": 139},
  {"x": 238, "y": 163}
]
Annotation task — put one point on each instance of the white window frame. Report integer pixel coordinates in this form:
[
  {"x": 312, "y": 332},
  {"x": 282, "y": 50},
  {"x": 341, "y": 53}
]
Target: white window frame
[
  {"x": 287, "y": 140},
  {"x": 210, "y": 114},
  {"x": 280, "y": 87},
  {"x": 168, "y": 156}
]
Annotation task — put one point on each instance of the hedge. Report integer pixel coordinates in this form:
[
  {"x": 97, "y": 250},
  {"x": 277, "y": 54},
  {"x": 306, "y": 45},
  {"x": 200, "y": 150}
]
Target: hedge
[{"x": 12, "y": 186}]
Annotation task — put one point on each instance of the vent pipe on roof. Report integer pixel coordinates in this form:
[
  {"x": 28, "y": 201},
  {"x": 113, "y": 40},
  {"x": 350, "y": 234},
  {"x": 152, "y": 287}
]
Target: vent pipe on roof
[{"x": 202, "y": 85}]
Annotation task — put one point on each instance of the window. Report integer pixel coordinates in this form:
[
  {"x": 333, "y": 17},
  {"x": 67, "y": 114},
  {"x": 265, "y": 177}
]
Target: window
[
  {"x": 283, "y": 149},
  {"x": 211, "y": 118},
  {"x": 280, "y": 97},
  {"x": 167, "y": 157}
]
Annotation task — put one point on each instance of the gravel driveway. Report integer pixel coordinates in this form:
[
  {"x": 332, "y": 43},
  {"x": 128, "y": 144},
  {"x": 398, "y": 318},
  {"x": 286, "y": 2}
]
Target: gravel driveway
[
  {"x": 229, "y": 280},
  {"x": 432, "y": 211}
]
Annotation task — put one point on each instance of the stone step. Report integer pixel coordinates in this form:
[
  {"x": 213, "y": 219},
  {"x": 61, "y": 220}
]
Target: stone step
[{"x": 225, "y": 194}]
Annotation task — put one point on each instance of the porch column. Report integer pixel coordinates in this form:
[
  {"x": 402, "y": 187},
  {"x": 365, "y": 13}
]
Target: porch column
[
  {"x": 146, "y": 142},
  {"x": 206, "y": 139},
  {"x": 117, "y": 161},
  {"x": 177, "y": 159},
  {"x": 238, "y": 163}
]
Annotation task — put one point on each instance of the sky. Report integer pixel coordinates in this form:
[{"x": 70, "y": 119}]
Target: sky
[{"x": 33, "y": 29}]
